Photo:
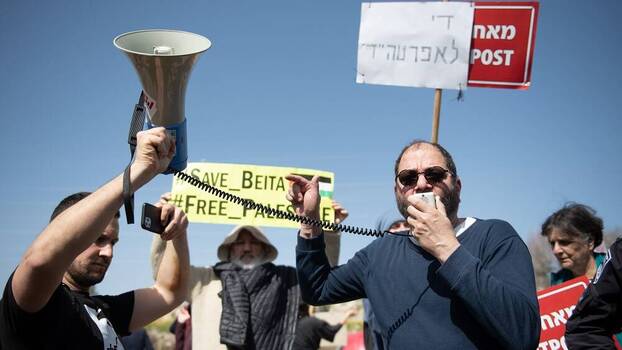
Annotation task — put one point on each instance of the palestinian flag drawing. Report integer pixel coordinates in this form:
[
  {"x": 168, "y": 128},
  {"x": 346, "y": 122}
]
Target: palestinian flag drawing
[{"x": 326, "y": 185}]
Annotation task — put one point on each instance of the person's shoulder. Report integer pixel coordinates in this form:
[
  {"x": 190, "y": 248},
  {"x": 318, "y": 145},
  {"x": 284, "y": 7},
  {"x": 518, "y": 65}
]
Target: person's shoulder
[
  {"x": 378, "y": 248},
  {"x": 560, "y": 276},
  {"x": 285, "y": 267},
  {"x": 616, "y": 245},
  {"x": 388, "y": 239},
  {"x": 614, "y": 252},
  {"x": 108, "y": 302},
  {"x": 496, "y": 228},
  {"x": 313, "y": 322},
  {"x": 282, "y": 269},
  {"x": 490, "y": 234},
  {"x": 128, "y": 294}
]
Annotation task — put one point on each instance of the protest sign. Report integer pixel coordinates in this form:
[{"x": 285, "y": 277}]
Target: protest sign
[
  {"x": 415, "y": 44},
  {"x": 263, "y": 184},
  {"x": 556, "y": 306},
  {"x": 504, "y": 35}
]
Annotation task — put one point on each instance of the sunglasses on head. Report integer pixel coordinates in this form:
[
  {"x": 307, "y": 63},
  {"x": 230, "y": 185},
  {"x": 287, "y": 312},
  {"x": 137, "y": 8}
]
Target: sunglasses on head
[{"x": 409, "y": 177}]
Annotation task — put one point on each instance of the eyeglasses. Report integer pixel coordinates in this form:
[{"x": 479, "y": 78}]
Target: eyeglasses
[{"x": 409, "y": 177}]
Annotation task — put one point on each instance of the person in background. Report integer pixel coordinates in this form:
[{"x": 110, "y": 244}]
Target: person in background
[
  {"x": 182, "y": 327},
  {"x": 244, "y": 301},
  {"x": 598, "y": 315},
  {"x": 138, "y": 340},
  {"x": 311, "y": 330},
  {"x": 573, "y": 232}
]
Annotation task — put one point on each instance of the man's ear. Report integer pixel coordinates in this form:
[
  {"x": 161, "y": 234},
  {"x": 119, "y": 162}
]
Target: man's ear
[{"x": 458, "y": 184}]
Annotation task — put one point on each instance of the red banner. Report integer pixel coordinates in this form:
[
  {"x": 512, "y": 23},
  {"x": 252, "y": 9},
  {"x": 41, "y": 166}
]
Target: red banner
[
  {"x": 504, "y": 34},
  {"x": 556, "y": 306}
]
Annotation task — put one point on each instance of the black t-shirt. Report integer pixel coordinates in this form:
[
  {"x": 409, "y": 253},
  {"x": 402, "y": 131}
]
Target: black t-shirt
[
  {"x": 311, "y": 330},
  {"x": 69, "y": 320}
]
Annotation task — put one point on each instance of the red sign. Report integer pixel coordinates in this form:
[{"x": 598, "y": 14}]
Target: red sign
[
  {"x": 504, "y": 34},
  {"x": 356, "y": 341},
  {"x": 556, "y": 306}
]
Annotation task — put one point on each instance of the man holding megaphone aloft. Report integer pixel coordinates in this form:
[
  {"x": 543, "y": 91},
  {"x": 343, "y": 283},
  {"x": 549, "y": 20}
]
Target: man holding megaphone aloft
[{"x": 46, "y": 301}]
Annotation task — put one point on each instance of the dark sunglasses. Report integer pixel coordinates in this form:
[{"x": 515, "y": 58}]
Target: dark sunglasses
[{"x": 409, "y": 177}]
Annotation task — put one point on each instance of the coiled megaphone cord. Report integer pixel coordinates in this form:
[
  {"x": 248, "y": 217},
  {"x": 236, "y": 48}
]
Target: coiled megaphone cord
[{"x": 252, "y": 205}]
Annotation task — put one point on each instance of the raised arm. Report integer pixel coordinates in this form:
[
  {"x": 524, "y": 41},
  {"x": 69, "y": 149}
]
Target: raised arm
[
  {"x": 333, "y": 238},
  {"x": 305, "y": 198},
  {"x": 328, "y": 331},
  {"x": 198, "y": 275},
  {"x": 319, "y": 283},
  {"x": 46, "y": 260},
  {"x": 171, "y": 278}
]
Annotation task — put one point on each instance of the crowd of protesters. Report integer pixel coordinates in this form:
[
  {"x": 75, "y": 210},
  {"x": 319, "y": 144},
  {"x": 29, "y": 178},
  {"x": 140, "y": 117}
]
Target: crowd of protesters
[{"x": 435, "y": 280}]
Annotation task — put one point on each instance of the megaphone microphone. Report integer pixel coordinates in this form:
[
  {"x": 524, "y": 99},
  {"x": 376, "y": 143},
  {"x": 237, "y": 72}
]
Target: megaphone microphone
[{"x": 163, "y": 60}]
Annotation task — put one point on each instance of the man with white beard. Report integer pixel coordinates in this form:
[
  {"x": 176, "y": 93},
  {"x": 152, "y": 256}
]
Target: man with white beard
[{"x": 221, "y": 295}]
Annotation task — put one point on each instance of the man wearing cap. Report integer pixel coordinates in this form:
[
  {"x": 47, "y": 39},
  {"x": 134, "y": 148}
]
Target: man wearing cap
[{"x": 222, "y": 295}]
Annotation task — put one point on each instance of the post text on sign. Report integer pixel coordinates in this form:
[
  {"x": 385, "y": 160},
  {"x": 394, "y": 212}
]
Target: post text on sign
[
  {"x": 502, "y": 46},
  {"x": 493, "y": 32}
]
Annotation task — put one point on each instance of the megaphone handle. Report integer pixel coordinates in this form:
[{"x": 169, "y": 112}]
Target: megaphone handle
[
  {"x": 128, "y": 197},
  {"x": 136, "y": 125}
]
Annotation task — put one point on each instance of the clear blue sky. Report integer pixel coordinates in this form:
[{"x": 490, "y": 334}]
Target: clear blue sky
[{"x": 278, "y": 88}]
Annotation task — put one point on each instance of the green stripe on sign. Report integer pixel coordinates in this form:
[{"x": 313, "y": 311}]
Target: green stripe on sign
[{"x": 328, "y": 194}]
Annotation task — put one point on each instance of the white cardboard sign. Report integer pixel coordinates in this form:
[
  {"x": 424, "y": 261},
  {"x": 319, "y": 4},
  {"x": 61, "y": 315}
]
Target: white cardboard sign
[{"x": 424, "y": 44}]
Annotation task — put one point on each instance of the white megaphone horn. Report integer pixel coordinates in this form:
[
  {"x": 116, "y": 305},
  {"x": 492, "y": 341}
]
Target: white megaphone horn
[{"x": 163, "y": 60}]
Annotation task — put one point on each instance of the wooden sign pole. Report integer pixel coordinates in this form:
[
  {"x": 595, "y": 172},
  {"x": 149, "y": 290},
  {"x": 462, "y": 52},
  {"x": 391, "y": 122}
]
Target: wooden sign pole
[
  {"x": 436, "y": 114},
  {"x": 438, "y": 94}
]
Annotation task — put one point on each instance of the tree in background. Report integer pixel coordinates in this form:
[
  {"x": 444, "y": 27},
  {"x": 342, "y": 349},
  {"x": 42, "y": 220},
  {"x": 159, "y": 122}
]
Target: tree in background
[{"x": 611, "y": 236}]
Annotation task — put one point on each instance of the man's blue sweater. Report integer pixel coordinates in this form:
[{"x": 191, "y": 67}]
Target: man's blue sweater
[{"x": 482, "y": 297}]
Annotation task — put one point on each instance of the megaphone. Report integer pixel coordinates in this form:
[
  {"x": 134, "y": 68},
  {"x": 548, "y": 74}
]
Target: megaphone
[{"x": 163, "y": 60}]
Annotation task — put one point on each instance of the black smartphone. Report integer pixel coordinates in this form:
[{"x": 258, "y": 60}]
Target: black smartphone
[{"x": 151, "y": 218}]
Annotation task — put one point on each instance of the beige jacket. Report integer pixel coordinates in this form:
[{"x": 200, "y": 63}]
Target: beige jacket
[{"x": 204, "y": 286}]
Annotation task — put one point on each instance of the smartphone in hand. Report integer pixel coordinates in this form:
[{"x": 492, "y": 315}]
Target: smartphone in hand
[{"x": 150, "y": 220}]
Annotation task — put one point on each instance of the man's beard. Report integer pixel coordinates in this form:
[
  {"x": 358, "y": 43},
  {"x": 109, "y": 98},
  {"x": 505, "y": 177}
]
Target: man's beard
[
  {"x": 256, "y": 261},
  {"x": 84, "y": 279},
  {"x": 451, "y": 201}
]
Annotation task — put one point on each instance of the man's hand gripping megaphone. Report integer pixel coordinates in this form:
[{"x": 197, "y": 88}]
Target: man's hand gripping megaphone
[{"x": 155, "y": 149}]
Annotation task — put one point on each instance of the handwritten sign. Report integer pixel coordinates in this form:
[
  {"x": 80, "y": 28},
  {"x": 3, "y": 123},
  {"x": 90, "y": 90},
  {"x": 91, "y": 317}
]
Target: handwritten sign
[
  {"x": 263, "y": 184},
  {"x": 415, "y": 44}
]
